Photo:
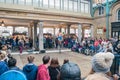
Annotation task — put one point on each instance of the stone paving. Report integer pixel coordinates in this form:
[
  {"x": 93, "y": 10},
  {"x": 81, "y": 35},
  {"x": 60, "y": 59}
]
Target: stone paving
[{"x": 83, "y": 61}]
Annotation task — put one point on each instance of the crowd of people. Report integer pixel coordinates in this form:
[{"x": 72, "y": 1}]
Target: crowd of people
[
  {"x": 17, "y": 43},
  {"x": 52, "y": 70},
  {"x": 102, "y": 60},
  {"x": 85, "y": 46},
  {"x": 92, "y": 46}
]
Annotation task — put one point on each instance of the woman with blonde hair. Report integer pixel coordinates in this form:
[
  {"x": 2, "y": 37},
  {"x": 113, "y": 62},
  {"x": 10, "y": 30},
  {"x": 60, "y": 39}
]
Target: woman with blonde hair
[{"x": 3, "y": 65}]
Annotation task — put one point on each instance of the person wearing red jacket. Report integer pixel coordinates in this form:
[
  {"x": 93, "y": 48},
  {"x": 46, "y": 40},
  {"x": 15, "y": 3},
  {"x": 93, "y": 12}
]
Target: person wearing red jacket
[{"x": 43, "y": 73}]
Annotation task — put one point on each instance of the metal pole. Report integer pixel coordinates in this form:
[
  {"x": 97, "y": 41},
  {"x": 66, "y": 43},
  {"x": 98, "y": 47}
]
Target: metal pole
[
  {"x": 107, "y": 19},
  {"x": 91, "y": 8}
]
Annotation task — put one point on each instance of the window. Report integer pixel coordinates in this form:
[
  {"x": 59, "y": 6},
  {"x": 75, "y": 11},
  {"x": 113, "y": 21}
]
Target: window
[
  {"x": 86, "y": 8},
  {"x": 35, "y": 3},
  {"x": 82, "y": 7},
  {"x": 65, "y": 4},
  {"x": 15, "y": 1},
  {"x": 21, "y": 2},
  {"x": 51, "y": 2},
  {"x": 57, "y": 4},
  {"x": 70, "y": 5},
  {"x": 2, "y": 1},
  {"x": 75, "y": 6},
  {"x": 45, "y": 3},
  {"x": 9, "y": 1},
  {"x": 101, "y": 10},
  {"x": 119, "y": 15},
  {"x": 28, "y": 2},
  {"x": 85, "y": 1}
]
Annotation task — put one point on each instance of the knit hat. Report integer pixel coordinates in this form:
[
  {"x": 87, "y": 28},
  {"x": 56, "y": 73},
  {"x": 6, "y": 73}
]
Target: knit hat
[{"x": 101, "y": 62}]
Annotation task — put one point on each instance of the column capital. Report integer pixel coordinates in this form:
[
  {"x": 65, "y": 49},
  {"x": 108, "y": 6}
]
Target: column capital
[
  {"x": 35, "y": 21},
  {"x": 80, "y": 24},
  {"x": 31, "y": 24},
  {"x": 40, "y": 22}
]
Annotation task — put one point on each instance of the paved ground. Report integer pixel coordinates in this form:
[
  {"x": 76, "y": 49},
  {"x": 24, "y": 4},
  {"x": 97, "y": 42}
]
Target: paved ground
[{"x": 82, "y": 60}]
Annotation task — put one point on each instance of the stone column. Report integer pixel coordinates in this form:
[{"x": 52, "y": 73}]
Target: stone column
[
  {"x": 35, "y": 35},
  {"x": 41, "y": 48},
  {"x": 60, "y": 29},
  {"x": 30, "y": 31},
  {"x": 75, "y": 30},
  {"x": 79, "y": 33},
  {"x": 82, "y": 31},
  {"x": 13, "y": 29},
  {"x": 68, "y": 29},
  {"x": 54, "y": 31},
  {"x": 92, "y": 31},
  {"x": 65, "y": 30}
]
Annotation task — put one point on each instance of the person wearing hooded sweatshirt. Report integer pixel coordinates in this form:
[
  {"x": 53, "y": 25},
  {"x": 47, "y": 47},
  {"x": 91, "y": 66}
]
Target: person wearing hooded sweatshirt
[
  {"x": 43, "y": 73},
  {"x": 30, "y": 69},
  {"x": 3, "y": 65}
]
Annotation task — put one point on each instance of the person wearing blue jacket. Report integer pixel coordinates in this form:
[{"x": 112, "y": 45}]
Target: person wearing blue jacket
[
  {"x": 30, "y": 69},
  {"x": 3, "y": 65}
]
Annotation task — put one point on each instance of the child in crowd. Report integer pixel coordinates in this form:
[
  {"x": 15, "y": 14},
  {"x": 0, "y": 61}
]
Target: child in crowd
[{"x": 30, "y": 69}]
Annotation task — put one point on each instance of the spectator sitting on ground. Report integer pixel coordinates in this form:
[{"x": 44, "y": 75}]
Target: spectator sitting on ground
[
  {"x": 117, "y": 49},
  {"x": 54, "y": 69},
  {"x": 30, "y": 69},
  {"x": 101, "y": 49},
  {"x": 12, "y": 64},
  {"x": 101, "y": 63},
  {"x": 43, "y": 73},
  {"x": 3, "y": 65}
]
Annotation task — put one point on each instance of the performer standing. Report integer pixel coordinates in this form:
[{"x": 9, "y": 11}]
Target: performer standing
[{"x": 60, "y": 39}]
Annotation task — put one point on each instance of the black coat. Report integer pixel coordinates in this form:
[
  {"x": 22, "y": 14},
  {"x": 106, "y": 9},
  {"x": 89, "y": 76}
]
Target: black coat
[{"x": 53, "y": 72}]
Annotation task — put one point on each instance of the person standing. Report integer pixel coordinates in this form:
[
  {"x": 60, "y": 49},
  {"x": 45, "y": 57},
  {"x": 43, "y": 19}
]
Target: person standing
[
  {"x": 30, "y": 69},
  {"x": 43, "y": 73},
  {"x": 54, "y": 69},
  {"x": 20, "y": 42},
  {"x": 3, "y": 65}
]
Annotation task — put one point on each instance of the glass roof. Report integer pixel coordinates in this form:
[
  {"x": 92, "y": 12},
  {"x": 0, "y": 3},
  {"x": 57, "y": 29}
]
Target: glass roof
[{"x": 95, "y": 2}]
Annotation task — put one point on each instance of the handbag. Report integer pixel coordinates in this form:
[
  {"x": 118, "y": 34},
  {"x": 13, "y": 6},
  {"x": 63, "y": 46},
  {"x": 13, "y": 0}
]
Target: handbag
[{"x": 58, "y": 75}]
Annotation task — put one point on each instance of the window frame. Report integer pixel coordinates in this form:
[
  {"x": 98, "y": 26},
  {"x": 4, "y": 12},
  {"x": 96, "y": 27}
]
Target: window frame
[{"x": 101, "y": 10}]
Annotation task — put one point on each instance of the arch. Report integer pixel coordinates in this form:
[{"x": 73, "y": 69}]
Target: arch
[{"x": 114, "y": 11}]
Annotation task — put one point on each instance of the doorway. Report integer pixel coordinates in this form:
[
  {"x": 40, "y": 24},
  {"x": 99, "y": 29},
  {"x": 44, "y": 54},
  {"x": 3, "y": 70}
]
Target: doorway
[{"x": 115, "y": 30}]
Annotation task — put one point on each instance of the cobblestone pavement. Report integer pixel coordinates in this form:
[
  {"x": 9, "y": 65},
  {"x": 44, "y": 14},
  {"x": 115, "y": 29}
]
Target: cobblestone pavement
[{"x": 83, "y": 61}]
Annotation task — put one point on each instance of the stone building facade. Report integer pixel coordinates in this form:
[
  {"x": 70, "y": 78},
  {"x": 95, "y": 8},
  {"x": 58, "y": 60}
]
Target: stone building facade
[{"x": 99, "y": 21}]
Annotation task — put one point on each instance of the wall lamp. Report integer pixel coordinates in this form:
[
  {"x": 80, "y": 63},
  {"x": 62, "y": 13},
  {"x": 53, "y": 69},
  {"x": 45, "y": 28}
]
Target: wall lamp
[{"x": 2, "y": 23}]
